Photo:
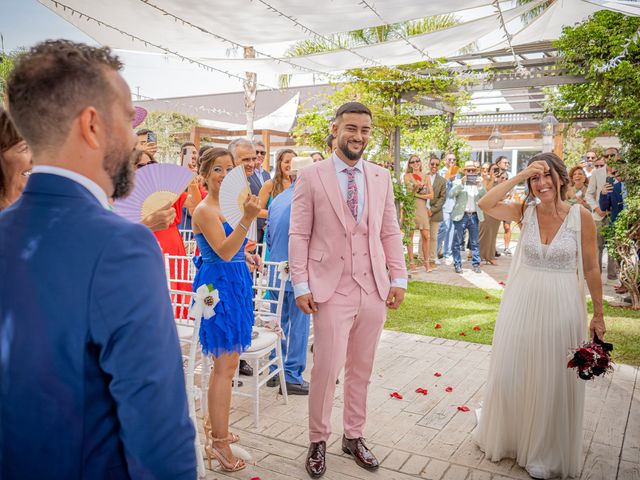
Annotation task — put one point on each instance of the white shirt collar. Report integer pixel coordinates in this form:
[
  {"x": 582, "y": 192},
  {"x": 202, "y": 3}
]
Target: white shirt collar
[
  {"x": 340, "y": 165},
  {"x": 90, "y": 185}
]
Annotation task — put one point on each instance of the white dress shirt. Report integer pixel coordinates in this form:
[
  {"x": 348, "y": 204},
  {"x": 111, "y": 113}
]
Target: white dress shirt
[
  {"x": 472, "y": 193},
  {"x": 90, "y": 185},
  {"x": 343, "y": 181}
]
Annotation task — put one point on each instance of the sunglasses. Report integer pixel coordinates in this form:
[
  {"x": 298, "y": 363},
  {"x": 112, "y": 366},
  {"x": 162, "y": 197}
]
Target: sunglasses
[
  {"x": 140, "y": 165},
  {"x": 610, "y": 155},
  {"x": 414, "y": 161},
  {"x": 591, "y": 158},
  {"x": 598, "y": 166},
  {"x": 261, "y": 152}
]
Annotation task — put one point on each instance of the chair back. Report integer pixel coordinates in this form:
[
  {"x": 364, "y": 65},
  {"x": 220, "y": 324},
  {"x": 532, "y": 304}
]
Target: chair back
[
  {"x": 189, "y": 241},
  {"x": 269, "y": 289},
  {"x": 180, "y": 271}
]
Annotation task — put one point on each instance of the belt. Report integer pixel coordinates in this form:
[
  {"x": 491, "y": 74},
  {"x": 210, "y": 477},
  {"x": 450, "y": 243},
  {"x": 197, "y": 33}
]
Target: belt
[{"x": 470, "y": 213}]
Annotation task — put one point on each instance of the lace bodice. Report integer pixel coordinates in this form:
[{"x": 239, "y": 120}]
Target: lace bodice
[{"x": 561, "y": 254}]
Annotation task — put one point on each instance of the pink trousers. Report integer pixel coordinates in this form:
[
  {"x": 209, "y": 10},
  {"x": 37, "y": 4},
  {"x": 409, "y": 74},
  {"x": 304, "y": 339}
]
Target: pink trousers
[{"x": 346, "y": 330}]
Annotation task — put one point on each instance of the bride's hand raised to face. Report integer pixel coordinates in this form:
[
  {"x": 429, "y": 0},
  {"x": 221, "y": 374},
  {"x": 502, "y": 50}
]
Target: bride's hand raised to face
[
  {"x": 251, "y": 207},
  {"x": 539, "y": 167}
]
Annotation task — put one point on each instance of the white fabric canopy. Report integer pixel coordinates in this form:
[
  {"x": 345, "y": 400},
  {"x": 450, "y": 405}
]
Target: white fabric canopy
[
  {"x": 549, "y": 25},
  {"x": 201, "y": 30},
  {"x": 281, "y": 119}
]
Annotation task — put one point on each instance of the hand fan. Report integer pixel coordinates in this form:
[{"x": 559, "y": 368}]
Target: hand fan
[
  {"x": 233, "y": 193},
  {"x": 156, "y": 185}
]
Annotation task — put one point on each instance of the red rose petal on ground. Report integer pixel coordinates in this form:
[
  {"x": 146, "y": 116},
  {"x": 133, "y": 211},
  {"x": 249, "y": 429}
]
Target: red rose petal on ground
[
  {"x": 476, "y": 328},
  {"x": 438, "y": 325},
  {"x": 423, "y": 391},
  {"x": 396, "y": 395},
  {"x": 462, "y": 334},
  {"x": 463, "y": 408},
  {"x": 448, "y": 389},
  {"x": 437, "y": 374},
  {"x": 502, "y": 284}
]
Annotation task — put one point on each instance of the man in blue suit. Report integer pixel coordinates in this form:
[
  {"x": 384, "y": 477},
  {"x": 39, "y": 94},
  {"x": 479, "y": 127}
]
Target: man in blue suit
[
  {"x": 91, "y": 380},
  {"x": 295, "y": 323}
]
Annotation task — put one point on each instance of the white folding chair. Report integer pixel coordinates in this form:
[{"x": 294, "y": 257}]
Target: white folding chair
[
  {"x": 188, "y": 329},
  {"x": 183, "y": 271},
  {"x": 272, "y": 279},
  {"x": 188, "y": 240}
]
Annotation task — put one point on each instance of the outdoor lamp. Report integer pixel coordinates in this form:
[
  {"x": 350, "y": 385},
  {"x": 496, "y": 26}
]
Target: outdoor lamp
[
  {"x": 548, "y": 129},
  {"x": 549, "y": 123},
  {"x": 496, "y": 142}
]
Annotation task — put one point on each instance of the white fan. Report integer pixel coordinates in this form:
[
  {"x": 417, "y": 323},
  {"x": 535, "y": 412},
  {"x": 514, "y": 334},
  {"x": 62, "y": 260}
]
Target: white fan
[{"x": 233, "y": 193}]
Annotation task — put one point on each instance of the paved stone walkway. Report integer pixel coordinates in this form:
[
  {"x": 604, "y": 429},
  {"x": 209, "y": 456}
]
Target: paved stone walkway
[{"x": 426, "y": 437}]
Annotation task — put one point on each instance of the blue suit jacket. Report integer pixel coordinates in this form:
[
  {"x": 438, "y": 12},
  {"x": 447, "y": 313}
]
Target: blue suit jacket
[
  {"x": 91, "y": 381},
  {"x": 255, "y": 186},
  {"x": 612, "y": 202}
]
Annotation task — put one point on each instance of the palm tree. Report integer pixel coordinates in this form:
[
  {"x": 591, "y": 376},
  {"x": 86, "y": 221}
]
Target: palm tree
[{"x": 368, "y": 36}]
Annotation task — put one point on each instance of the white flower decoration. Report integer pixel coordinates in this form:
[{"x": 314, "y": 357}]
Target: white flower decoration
[
  {"x": 283, "y": 268},
  {"x": 204, "y": 303}
]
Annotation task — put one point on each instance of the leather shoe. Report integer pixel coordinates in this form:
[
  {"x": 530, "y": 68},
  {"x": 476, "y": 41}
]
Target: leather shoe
[
  {"x": 315, "y": 463},
  {"x": 273, "y": 381},
  {"x": 297, "y": 388},
  {"x": 364, "y": 457},
  {"x": 245, "y": 369}
]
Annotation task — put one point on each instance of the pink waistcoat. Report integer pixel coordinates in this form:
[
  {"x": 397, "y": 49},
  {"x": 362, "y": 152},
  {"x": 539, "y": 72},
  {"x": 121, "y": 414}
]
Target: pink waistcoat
[{"x": 357, "y": 257}]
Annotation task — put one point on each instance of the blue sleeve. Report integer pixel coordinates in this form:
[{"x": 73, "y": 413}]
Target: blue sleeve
[
  {"x": 132, "y": 323},
  {"x": 605, "y": 202}
]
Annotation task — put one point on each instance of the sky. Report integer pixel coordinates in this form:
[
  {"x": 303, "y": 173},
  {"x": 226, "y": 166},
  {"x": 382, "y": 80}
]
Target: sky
[{"x": 23, "y": 23}]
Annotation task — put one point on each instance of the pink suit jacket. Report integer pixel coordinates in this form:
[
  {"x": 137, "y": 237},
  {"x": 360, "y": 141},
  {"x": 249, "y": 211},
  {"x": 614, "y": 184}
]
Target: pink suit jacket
[{"x": 318, "y": 233}]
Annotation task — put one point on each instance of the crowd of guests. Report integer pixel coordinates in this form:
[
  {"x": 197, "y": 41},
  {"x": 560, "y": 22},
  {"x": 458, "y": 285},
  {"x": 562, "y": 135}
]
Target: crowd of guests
[{"x": 452, "y": 226}]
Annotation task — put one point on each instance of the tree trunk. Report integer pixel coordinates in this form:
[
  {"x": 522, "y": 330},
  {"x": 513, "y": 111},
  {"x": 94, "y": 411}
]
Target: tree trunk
[{"x": 250, "y": 86}]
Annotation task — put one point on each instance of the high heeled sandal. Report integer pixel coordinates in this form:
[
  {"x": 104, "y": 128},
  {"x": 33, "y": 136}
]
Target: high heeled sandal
[
  {"x": 225, "y": 464},
  {"x": 232, "y": 437}
]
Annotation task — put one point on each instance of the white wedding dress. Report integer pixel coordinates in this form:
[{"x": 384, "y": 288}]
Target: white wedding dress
[{"x": 533, "y": 404}]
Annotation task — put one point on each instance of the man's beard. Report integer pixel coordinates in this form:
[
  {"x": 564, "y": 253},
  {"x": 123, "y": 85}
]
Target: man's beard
[
  {"x": 119, "y": 166},
  {"x": 344, "y": 148}
]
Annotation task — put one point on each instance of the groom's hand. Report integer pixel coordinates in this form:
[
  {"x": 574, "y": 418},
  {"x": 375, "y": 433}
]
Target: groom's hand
[
  {"x": 306, "y": 304},
  {"x": 395, "y": 298}
]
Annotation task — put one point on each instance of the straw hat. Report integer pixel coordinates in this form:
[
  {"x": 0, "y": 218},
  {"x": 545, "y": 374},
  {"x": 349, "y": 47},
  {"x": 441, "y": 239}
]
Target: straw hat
[{"x": 470, "y": 165}]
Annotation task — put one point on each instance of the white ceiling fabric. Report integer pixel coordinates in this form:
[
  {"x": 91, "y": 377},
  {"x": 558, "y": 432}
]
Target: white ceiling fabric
[
  {"x": 548, "y": 26},
  {"x": 281, "y": 119},
  {"x": 261, "y": 23}
]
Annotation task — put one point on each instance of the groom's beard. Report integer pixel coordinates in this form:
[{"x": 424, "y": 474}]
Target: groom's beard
[{"x": 344, "y": 148}]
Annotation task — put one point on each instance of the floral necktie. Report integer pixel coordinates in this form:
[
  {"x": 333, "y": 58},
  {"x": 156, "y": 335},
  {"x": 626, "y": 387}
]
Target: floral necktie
[{"x": 352, "y": 191}]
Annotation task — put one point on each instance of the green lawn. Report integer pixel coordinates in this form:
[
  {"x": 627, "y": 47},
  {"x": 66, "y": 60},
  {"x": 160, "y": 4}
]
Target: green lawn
[{"x": 459, "y": 310}]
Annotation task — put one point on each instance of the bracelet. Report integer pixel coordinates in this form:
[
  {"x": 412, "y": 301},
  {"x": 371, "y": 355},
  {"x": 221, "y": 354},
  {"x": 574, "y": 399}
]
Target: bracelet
[{"x": 241, "y": 225}]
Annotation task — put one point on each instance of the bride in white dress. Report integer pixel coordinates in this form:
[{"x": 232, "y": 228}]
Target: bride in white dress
[{"x": 533, "y": 404}]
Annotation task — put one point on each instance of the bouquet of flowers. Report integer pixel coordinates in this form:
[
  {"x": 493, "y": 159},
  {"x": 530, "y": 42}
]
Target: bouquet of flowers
[{"x": 591, "y": 359}]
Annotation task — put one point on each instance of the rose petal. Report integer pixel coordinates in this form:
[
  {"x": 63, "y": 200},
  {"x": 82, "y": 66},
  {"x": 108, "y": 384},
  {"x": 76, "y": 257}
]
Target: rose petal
[
  {"x": 502, "y": 284},
  {"x": 438, "y": 325},
  {"x": 396, "y": 395},
  {"x": 437, "y": 374},
  {"x": 448, "y": 389},
  {"x": 463, "y": 408},
  {"x": 462, "y": 334},
  {"x": 476, "y": 328},
  {"x": 422, "y": 391}
]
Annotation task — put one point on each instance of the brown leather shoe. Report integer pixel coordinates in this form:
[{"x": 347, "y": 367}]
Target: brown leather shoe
[
  {"x": 364, "y": 457},
  {"x": 316, "y": 464}
]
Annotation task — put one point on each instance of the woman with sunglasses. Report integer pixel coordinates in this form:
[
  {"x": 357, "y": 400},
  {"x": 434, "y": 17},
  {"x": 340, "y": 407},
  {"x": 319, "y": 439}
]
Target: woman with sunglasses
[{"x": 420, "y": 186}]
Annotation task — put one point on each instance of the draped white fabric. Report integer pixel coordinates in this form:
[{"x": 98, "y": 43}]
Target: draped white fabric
[{"x": 202, "y": 30}]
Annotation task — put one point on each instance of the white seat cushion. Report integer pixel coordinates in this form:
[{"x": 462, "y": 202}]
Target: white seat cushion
[{"x": 265, "y": 339}]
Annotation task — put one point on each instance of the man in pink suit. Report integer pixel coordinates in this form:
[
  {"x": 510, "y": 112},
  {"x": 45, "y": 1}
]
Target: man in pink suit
[{"x": 347, "y": 267}]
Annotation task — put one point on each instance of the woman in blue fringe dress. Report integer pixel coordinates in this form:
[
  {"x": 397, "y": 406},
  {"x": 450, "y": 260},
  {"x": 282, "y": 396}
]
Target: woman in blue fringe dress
[{"x": 223, "y": 265}]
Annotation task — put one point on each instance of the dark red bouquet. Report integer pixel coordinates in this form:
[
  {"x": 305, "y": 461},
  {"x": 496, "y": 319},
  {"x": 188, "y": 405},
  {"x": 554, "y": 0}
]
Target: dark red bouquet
[{"x": 591, "y": 359}]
